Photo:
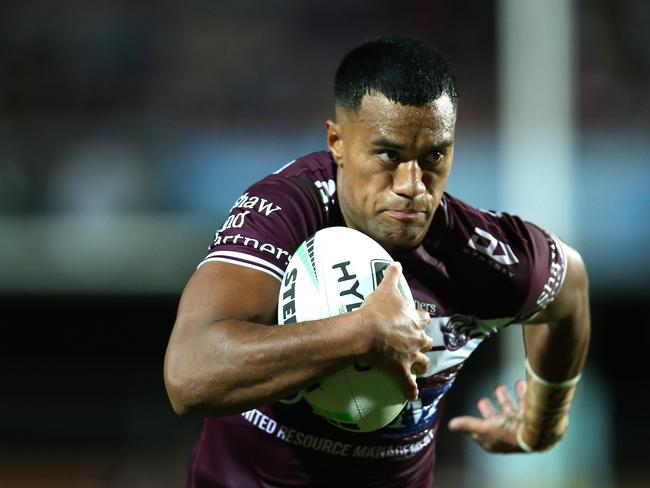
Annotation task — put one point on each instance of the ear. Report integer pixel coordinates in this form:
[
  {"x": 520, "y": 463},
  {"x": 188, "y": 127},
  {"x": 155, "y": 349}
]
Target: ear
[{"x": 335, "y": 140}]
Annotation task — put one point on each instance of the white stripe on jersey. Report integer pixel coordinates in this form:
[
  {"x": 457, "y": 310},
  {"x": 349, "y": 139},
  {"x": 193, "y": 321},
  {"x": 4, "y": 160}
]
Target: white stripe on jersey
[
  {"x": 285, "y": 166},
  {"x": 560, "y": 249},
  {"x": 240, "y": 263},
  {"x": 246, "y": 257}
]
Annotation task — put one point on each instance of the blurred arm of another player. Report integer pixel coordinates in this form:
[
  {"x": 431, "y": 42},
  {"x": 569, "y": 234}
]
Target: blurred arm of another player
[
  {"x": 224, "y": 358},
  {"x": 556, "y": 342}
]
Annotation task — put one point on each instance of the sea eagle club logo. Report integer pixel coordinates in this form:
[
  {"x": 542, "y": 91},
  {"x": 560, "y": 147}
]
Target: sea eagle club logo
[{"x": 453, "y": 331}]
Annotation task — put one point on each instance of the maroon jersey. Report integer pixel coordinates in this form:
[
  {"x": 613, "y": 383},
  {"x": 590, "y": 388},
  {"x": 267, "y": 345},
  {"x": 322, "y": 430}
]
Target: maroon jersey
[{"x": 474, "y": 272}]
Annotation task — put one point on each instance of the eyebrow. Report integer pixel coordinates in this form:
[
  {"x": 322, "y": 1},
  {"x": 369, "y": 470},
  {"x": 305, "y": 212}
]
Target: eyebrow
[{"x": 384, "y": 142}]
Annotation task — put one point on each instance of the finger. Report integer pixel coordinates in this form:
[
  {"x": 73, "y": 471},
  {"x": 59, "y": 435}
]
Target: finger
[
  {"x": 468, "y": 424},
  {"x": 392, "y": 274},
  {"x": 520, "y": 390},
  {"x": 485, "y": 407},
  {"x": 421, "y": 363},
  {"x": 419, "y": 317},
  {"x": 423, "y": 318},
  {"x": 504, "y": 399},
  {"x": 409, "y": 385},
  {"x": 427, "y": 343}
]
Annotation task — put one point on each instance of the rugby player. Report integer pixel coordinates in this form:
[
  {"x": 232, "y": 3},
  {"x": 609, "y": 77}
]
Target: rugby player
[{"x": 471, "y": 272}]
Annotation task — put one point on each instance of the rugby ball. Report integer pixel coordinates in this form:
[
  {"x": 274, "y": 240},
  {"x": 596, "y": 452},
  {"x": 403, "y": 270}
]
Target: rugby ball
[{"x": 331, "y": 273}]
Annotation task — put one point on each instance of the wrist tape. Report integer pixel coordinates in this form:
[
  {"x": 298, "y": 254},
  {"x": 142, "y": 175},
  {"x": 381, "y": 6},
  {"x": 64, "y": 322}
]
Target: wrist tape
[{"x": 546, "y": 418}]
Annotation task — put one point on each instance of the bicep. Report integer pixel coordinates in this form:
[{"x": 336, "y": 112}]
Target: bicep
[
  {"x": 556, "y": 340},
  {"x": 220, "y": 291},
  {"x": 217, "y": 306}
]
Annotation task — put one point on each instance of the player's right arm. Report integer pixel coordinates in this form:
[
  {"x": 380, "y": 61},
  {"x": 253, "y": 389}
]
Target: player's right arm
[{"x": 223, "y": 356}]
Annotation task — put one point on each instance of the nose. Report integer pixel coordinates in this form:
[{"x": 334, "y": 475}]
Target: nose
[{"x": 407, "y": 179}]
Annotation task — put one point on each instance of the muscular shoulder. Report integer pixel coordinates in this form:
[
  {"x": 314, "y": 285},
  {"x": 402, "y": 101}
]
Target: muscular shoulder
[
  {"x": 501, "y": 261},
  {"x": 309, "y": 180},
  {"x": 274, "y": 215}
]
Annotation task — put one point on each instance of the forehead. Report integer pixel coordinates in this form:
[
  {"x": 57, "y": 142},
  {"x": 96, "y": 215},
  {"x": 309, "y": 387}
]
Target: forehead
[{"x": 383, "y": 117}]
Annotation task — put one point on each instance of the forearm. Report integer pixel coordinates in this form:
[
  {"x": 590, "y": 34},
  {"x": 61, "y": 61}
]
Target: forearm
[
  {"x": 230, "y": 366},
  {"x": 556, "y": 351},
  {"x": 553, "y": 369}
]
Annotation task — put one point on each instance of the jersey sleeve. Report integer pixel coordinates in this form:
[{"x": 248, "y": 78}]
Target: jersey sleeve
[
  {"x": 267, "y": 224},
  {"x": 504, "y": 266},
  {"x": 547, "y": 271}
]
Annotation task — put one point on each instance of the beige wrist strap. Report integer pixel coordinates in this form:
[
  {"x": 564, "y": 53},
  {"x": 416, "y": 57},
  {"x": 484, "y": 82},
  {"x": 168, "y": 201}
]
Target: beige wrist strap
[
  {"x": 522, "y": 443},
  {"x": 542, "y": 381},
  {"x": 546, "y": 418}
]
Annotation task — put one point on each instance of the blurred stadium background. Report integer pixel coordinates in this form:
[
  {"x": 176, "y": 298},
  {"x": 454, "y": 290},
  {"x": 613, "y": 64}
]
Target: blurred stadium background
[{"x": 127, "y": 129}]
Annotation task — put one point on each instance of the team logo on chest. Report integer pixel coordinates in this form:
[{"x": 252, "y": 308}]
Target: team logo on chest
[
  {"x": 455, "y": 337},
  {"x": 452, "y": 331}
]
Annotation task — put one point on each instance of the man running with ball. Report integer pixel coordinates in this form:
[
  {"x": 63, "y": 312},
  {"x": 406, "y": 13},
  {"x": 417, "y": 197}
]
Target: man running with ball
[{"x": 471, "y": 272}]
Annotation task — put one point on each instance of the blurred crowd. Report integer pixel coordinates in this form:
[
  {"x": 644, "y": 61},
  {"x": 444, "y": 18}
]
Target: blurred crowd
[
  {"x": 102, "y": 100},
  {"x": 119, "y": 107}
]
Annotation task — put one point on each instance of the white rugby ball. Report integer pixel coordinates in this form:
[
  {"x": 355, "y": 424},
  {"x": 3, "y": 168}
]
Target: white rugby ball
[{"x": 331, "y": 273}]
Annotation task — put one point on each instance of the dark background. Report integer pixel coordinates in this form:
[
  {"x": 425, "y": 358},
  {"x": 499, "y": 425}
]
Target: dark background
[{"x": 84, "y": 401}]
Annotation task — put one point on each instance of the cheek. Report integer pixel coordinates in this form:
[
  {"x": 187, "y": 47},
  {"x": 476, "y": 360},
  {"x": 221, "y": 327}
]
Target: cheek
[
  {"x": 429, "y": 181},
  {"x": 365, "y": 185},
  {"x": 435, "y": 182},
  {"x": 362, "y": 195},
  {"x": 432, "y": 184}
]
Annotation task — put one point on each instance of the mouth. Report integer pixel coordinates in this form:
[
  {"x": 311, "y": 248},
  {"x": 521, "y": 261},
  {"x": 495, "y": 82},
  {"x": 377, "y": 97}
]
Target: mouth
[{"x": 407, "y": 215}]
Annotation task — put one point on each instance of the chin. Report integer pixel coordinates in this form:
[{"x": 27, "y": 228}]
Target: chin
[
  {"x": 401, "y": 241},
  {"x": 394, "y": 236}
]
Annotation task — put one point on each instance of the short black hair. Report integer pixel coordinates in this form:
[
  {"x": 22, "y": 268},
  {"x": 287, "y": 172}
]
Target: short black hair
[{"x": 406, "y": 70}]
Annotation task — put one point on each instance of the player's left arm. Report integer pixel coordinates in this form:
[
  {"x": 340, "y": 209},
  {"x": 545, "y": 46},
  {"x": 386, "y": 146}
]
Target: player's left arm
[
  {"x": 556, "y": 339},
  {"x": 556, "y": 342}
]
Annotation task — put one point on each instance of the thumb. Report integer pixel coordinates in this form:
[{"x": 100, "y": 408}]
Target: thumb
[{"x": 392, "y": 274}]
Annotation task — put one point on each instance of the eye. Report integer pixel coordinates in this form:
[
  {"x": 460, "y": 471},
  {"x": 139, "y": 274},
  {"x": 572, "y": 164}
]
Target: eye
[
  {"x": 388, "y": 156},
  {"x": 433, "y": 159}
]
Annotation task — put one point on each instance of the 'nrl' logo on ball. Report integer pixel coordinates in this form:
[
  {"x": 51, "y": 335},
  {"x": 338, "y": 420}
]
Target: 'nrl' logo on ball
[{"x": 453, "y": 331}]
